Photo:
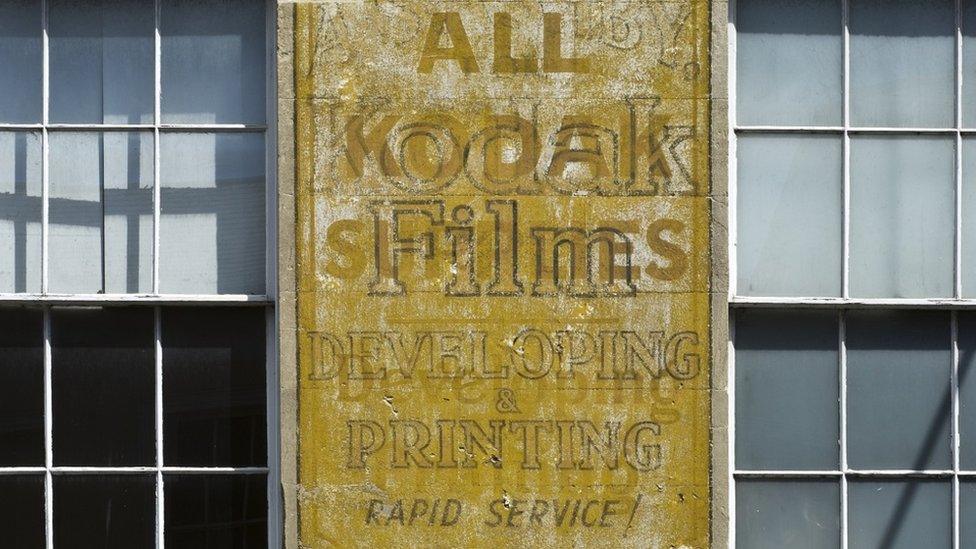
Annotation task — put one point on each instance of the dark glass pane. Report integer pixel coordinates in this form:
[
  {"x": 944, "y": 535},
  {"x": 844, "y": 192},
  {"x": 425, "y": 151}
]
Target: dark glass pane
[
  {"x": 22, "y": 511},
  {"x": 786, "y": 382},
  {"x": 108, "y": 512},
  {"x": 967, "y": 513},
  {"x": 774, "y": 514},
  {"x": 900, "y": 514},
  {"x": 103, "y": 378},
  {"x": 898, "y": 391},
  {"x": 216, "y": 511},
  {"x": 21, "y": 387},
  {"x": 214, "y": 386}
]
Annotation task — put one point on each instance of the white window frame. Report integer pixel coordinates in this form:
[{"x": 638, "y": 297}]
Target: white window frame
[
  {"x": 845, "y": 302},
  {"x": 46, "y": 300}
]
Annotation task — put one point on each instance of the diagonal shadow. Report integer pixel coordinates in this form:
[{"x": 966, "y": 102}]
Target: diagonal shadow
[{"x": 894, "y": 526}]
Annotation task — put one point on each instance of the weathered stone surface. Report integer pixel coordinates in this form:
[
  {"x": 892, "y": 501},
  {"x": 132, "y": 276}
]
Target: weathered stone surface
[{"x": 503, "y": 270}]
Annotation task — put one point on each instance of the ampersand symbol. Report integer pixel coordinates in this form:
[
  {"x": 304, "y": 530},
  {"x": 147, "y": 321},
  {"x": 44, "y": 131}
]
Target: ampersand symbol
[{"x": 506, "y": 402}]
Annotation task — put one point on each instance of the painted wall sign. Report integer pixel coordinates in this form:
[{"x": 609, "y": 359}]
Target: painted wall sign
[{"x": 502, "y": 265}]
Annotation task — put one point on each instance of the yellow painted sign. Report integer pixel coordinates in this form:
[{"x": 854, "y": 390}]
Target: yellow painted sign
[{"x": 503, "y": 308}]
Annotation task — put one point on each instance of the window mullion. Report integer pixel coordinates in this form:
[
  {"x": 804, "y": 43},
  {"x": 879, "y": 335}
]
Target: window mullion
[
  {"x": 45, "y": 87},
  {"x": 957, "y": 264},
  {"x": 157, "y": 91},
  {"x": 842, "y": 442},
  {"x": 158, "y": 347},
  {"x": 732, "y": 183},
  {"x": 957, "y": 273},
  {"x": 48, "y": 387},
  {"x": 846, "y": 163},
  {"x": 954, "y": 426},
  {"x": 48, "y": 433},
  {"x": 157, "y": 324},
  {"x": 845, "y": 264},
  {"x": 730, "y": 385}
]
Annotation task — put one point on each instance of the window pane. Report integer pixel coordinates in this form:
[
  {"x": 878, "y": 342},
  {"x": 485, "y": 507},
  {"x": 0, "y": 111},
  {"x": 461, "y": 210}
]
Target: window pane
[
  {"x": 20, "y": 211},
  {"x": 101, "y": 209},
  {"x": 903, "y": 63},
  {"x": 104, "y": 511},
  {"x": 786, "y": 381},
  {"x": 967, "y": 513},
  {"x": 788, "y": 62},
  {"x": 216, "y": 511},
  {"x": 212, "y": 220},
  {"x": 22, "y": 511},
  {"x": 789, "y": 215},
  {"x": 21, "y": 388},
  {"x": 898, "y": 394},
  {"x": 213, "y": 61},
  {"x": 22, "y": 60},
  {"x": 101, "y": 59},
  {"x": 902, "y": 216},
  {"x": 969, "y": 215},
  {"x": 795, "y": 513},
  {"x": 900, "y": 514},
  {"x": 214, "y": 386},
  {"x": 103, "y": 382},
  {"x": 967, "y": 390}
]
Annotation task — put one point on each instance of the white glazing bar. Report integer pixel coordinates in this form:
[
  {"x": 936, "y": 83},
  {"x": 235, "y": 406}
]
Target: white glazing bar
[
  {"x": 20, "y": 127},
  {"x": 854, "y": 473},
  {"x": 69, "y": 299},
  {"x": 45, "y": 233},
  {"x": 957, "y": 256},
  {"x": 48, "y": 434},
  {"x": 852, "y": 303},
  {"x": 136, "y": 470},
  {"x": 22, "y": 470},
  {"x": 208, "y": 128},
  {"x": 957, "y": 269},
  {"x": 158, "y": 361},
  {"x": 850, "y": 129},
  {"x": 157, "y": 94},
  {"x": 730, "y": 389},
  {"x": 99, "y": 127},
  {"x": 846, "y": 166},
  {"x": 789, "y": 473},
  {"x": 271, "y": 147},
  {"x": 188, "y": 128},
  {"x": 271, "y": 428},
  {"x": 789, "y": 129},
  {"x": 733, "y": 163},
  {"x": 213, "y": 127},
  {"x": 216, "y": 470},
  {"x": 157, "y": 313},
  {"x": 842, "y": 438},
  {"x": 45, "y": 161},
  {"x": 954, "y": 427},
  {"x": 900, "y": 130},
  {"x": 272, "y": 415}
]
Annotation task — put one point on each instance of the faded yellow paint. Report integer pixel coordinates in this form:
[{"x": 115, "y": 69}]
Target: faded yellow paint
[{"x": 503, "y": 307}]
